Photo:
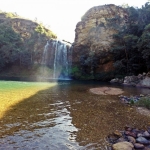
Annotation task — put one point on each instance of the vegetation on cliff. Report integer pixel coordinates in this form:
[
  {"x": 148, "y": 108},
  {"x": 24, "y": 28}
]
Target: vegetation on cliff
[
  {"x": 112, "y": 41},
  {"x": 21, "y": 41},
  {"x": 131, "y": 48}
]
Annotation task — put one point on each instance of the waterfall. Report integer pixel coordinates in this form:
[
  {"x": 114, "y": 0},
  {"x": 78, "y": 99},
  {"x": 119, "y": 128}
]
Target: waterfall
[
  {"x": 57, "y": 56},
  {"x": 45, "y": 53}
]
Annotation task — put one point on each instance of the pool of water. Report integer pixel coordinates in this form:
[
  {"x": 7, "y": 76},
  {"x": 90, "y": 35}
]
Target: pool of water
[{"x": 67, "y": 117}]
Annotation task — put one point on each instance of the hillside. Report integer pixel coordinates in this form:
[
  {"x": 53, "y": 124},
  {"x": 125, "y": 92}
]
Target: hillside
[{"x": 21, "y": 45}]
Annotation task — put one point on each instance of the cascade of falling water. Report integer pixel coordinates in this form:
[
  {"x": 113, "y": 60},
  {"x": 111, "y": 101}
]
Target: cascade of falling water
[
  {"x": 44, "y": 57},
  {"x": 56, "y": 55},
  {"x": 65, "y": 59},
  {"x": 55, "y": 59}
]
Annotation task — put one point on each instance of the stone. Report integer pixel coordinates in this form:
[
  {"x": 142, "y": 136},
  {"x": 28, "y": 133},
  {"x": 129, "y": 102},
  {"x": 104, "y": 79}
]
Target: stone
[
  {"x": 131, "y": 139},
  {"x": 146, "y": 134},
  {"x": 128, "y": 128},
  {"x": 142, "y": 140},
  {"x": 138, "y": 81},
  {"x": 145, "y": 82},
  {"x": 138, "y": 145},
  {"x": 148, "y": 130},
  {"x": 147, "y": 147},
  {"x": 148, "y": 74},
  {"x": 140, "y": 76},
  {"x": 121, "y": 139},
  {"x": 130, "y": 134},
  {"x": 112, "y": 138},
  {"x": 139, "y": 134},
  {"x": 123, "y": 146},
  {"x": 118, "y": 133}
]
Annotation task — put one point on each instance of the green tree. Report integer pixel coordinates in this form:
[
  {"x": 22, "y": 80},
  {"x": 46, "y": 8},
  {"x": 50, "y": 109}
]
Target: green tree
[
  {"x": 144, "y": 46},
  {"x": 10, "y": 45}
]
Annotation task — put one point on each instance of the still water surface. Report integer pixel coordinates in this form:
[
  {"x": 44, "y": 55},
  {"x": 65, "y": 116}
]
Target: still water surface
[{"x": 68, "y": 117}]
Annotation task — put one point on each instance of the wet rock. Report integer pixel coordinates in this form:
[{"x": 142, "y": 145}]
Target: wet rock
[
  {"x": 121, "y": 139},
  {"x": 139, "y": 134},
  {"x": 123, "y": 146},
  {"x": 118, "y": 133},
  {"x": 146, "y": 134},
  {"x": 128, "y": 128},
  {"x": 112, "y": 138},
  {"x": 131, "y": 139},
  {"x": 148, "y": 74},
  {"x": 142, "y": 80},
  {"x": 130, "y": 134},
  {"x": 147, "y": 147},
  {"x": 142, "y": 140},
  {"x": 138, "y": 146},
  {"x": 116, "y": 80},
  {"x": 148, "y": 130}
]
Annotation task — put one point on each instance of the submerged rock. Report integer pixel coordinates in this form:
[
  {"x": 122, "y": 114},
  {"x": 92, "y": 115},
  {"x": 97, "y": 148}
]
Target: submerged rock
[{"x": 106, "y": 91}]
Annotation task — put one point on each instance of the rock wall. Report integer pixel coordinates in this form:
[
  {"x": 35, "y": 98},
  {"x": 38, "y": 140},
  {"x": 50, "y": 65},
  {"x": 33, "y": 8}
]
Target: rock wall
[{"x": 93, "y": 34}]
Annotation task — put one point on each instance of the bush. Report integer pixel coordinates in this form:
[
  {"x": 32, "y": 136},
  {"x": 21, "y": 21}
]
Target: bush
[
  {"x": 75, "y": 72},
  {"x": 144, "y": 102},
  {"x": 42, "y": 30}
]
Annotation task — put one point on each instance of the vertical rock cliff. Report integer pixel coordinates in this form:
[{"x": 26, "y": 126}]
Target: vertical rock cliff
[{"x": 93, "y": 40}]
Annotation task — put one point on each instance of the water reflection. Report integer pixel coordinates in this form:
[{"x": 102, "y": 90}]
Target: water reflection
[{"x": 67, "y": 116}]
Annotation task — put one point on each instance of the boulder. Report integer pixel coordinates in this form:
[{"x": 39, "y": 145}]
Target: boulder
[{"x": 123, "y": 146}]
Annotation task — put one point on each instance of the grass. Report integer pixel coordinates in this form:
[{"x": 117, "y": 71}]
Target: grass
[
  {"x": 13, "y": 92},
  {"x": 144, "y": 102}
]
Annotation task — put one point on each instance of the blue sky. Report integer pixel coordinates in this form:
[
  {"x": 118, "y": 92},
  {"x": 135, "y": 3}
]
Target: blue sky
[{"x": 60, "y": 15}]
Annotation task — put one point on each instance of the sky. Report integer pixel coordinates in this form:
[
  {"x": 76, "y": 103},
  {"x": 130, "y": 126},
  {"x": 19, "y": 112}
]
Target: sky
[{"x": 61, "y": 16}]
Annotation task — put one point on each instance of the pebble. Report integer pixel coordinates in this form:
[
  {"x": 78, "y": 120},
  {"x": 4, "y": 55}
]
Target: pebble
[
  {"x": 140, "y": 139},
  {"x": 131, "y": 99},
  {"x": 130, "y": 134},
  {"x": 146, "y": 134},
  {"x": 138, "y": 145},
  {"x": 121, "y": 139},
  {"x": 118, "y": 133},
  {"x": 131, "y": 139}
]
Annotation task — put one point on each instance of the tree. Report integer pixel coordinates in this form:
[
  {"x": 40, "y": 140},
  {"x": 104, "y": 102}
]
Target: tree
[
  {"x": 10, "y": 44},
  {"x": 144, "y": 46}
]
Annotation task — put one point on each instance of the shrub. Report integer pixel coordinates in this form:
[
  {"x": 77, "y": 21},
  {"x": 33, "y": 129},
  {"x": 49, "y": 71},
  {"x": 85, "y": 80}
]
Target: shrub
[{"x": 144, "y": 102}]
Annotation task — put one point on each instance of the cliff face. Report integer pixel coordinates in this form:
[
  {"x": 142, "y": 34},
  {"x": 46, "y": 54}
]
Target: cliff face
[
  {"x": 31, "y": 36},
  {"x": 94, "y": 39}
]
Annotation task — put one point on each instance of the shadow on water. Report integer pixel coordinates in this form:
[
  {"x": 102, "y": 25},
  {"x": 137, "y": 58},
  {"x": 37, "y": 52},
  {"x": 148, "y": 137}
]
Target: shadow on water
[{"x": 67, "y": 116}]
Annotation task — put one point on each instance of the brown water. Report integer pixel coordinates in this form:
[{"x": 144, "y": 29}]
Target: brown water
[{"x": 68, "y": 117}]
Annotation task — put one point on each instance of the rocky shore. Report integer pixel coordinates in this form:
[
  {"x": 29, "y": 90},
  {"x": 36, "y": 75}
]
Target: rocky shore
[
  {"x": 133, "y": 99},
  {"x": 130, "y": 139},
  {"x": 142, "y": 80}
]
